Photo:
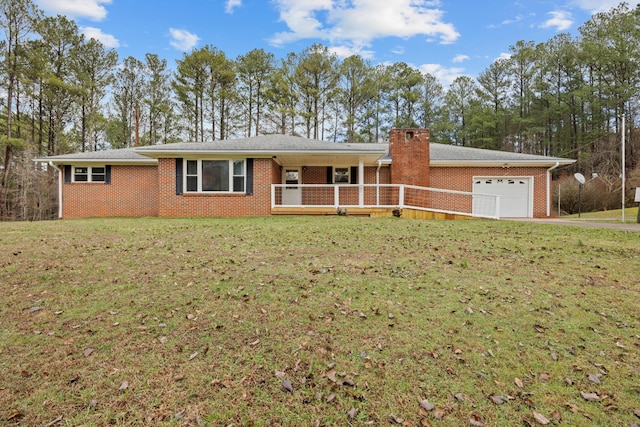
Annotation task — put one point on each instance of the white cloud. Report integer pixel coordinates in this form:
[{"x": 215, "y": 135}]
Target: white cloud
[
  {"x": 96, "y": 33},
  {"x": 595, "y": 6},
  {"x": 446, "y": 76},
  {"x": 504, "y": 55},
  {"x": 90, "y": 9},
  {"x": 359, "y": 22},
  {"x": 560, "y": 20},
  {"x": 512, "y": 21},
  {"x": 182, "y": 39},
  {"x": 460, "y": 58},
  {"x": 345, "y": 51},
  {"x": 231, "y": 5}
]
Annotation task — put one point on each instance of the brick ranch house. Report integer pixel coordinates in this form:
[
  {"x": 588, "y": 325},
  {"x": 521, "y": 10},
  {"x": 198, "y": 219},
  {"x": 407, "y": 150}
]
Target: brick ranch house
[{"x": 270, "y": 174}]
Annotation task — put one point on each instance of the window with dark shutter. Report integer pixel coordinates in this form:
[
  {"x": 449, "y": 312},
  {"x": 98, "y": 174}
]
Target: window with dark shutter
[
  {"x": 249, "y": 184},
  {"x": 178, "y": 176}
]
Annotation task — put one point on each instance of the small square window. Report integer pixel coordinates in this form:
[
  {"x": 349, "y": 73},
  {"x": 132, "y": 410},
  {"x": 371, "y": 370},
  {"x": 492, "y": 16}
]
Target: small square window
[
  {"x": 81, "y": 174},
  {"x": 341, "y": 176}
]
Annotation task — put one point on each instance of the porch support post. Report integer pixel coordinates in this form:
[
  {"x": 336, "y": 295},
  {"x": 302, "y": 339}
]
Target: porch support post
[
  {"x": 336, "y": 196},
  {"x": 360, "y": 182},
  {"x": 273, "y": 196}
]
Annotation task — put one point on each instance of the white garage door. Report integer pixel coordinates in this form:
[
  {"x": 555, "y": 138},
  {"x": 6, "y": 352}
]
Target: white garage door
[{"x": 515, "y": 195}]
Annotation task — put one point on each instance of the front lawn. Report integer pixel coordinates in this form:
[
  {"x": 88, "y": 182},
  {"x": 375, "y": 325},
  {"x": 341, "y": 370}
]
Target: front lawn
[{"x": 318, "y": 321}]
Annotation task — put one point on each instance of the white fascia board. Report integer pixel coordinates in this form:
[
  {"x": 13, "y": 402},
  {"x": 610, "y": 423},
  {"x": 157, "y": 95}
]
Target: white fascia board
[{"x": 505, "y": 164}]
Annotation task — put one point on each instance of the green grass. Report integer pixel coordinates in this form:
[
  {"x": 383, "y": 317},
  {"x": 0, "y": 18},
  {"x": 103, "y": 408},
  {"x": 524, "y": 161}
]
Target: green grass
[
  {"x": 203, "y": 319},
  {"x": 630, "y": 215}
]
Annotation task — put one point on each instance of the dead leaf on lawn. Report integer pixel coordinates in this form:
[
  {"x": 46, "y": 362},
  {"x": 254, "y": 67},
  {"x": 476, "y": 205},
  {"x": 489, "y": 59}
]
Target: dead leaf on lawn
[
  {"x": 544, "y": 377},
  {"x": 124, "y": 385},
  {"x": 286, "y": 385},
  {"x": 349, "y": 383},
  {"x": 92, "y": 403},
  {"x": 426, "y": 405},
  {"x": 193, "y": 355},
  {"x": 54, "y": 422},
  {"x": 637, "y": 413},
  {"x": 15, "y": 416},
  {"x": 541, "y": 419},
  {"x": 439, "y": 413},
  {"x": 459, "y": 397},
  {"x": 498, "y": 400},
  {"x": 573, "y": 407},
  {"x": 476, "y": 420},
  {"x": 594, "y": 378},
  {"x": 353, "y": 412},
  {"x": 395, "y": 419},
  {"x": 280, "y": 374},
  {"x": 518, "y": 382},
  {"x": 88, "y": 352},
  {"x": 590, "y": 397},
  {"x": 331, "y": 374}
]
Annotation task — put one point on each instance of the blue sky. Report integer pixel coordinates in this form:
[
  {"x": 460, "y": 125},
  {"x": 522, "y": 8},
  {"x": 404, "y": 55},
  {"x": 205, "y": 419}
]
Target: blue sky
[{"x": 446, "y": 38}]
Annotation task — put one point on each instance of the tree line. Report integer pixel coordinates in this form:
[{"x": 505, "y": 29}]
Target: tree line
[{"x": 65, "y": 93}]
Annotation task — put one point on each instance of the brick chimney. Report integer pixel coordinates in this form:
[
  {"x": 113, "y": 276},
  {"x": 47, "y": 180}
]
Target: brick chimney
[{"x": 409, "y": 149}]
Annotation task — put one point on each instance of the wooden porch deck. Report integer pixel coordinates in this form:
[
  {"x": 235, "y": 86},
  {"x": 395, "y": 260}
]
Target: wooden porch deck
[{"x": 369, "y": 212}]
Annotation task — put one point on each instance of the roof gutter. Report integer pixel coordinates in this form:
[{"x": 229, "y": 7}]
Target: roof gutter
[{"x": 549, "y": 188}]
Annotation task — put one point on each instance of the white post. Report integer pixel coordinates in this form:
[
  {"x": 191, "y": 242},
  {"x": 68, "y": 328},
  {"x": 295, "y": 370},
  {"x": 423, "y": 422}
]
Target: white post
[
  {"x": 623, "y": 164},
  {"x": 273, "y": 196},
  {"x": 361, "y": 182},
  {"x": 336, "y": 196},
  {"x": 401, "y": 196}
]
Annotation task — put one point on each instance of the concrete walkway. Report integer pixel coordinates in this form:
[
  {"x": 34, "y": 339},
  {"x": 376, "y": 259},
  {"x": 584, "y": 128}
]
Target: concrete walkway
[{"x": 626, "y": 226}]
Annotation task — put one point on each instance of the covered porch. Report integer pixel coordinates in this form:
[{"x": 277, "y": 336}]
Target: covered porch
[{"x": 381, "y": 200}]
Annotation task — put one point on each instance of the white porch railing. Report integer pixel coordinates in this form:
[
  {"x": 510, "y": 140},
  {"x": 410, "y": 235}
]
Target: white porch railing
[{"x": 385, "y": 196}]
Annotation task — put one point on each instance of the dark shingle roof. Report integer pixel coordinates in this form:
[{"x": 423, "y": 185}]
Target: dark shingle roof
[
  {"x": 124, "y": 155},
  {"x": 441, "y": 154},
  {"x": 454, "y": 153},
  {"x": 265, "y": 144}
]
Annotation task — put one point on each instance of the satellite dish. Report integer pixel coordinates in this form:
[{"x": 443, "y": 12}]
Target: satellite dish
[{"x": 579, "y": 177}]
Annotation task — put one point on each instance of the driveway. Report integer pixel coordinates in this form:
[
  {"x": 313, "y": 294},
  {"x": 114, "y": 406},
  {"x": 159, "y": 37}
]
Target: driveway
[{"x": 582, "y": 223}]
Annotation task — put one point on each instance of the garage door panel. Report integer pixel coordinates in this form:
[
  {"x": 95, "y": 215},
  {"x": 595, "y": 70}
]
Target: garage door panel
[{"x": 514, "y": 192}]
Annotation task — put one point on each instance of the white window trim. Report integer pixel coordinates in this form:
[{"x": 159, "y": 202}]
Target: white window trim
[
  {"x": 89, "y": 174},
  {"x": 199, "y": 176},
  {"x": 348, "y": 175}
]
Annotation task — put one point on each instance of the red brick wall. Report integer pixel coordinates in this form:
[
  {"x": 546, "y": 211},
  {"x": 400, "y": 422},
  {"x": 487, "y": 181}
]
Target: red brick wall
[
  {"x": 409, "y": 149},
  {"x": 459, "y": 178},
  {"x": 133, "y": 192},
  {"x": 215, "y": 205},
  {"x": 348, "y": 196}
]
